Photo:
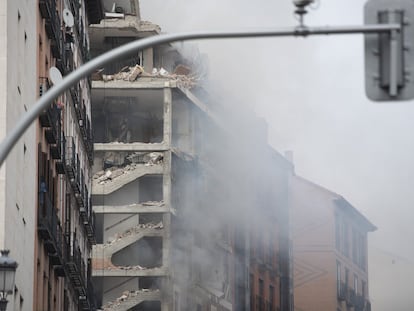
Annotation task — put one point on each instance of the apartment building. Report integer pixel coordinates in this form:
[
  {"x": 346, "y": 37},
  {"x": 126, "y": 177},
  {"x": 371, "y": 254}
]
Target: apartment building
[
  {"x": 329, "y": 250},
  {"x": 173, "y": 188},
  {"x": 271, "y": 284},
  {"x": 64, "y": 220}
]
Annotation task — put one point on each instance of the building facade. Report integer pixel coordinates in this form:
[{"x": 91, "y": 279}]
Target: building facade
[
  {"x": 46, "y": 216},
  {"x": 329, "y": 250},
  {"x": 65, "y": 220},
  {"x": 173, "y": 188},
  {"x": 271, "y": 284}
]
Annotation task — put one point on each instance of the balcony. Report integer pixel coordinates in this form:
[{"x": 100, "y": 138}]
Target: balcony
[
  {"x": 342, "y": 291},
  {"x": 69, "y": 63},
  {"x": 75, "y": 265},
  {"x": 88, "y": 219},
  {"x": 52, "y": 26},
  {"x": 50, "y": 230},
  {"x": 46, "y": 8},
  {"x": 72, "y": 165},
  {"x": 60, "y": 165},
  {"x": 88, "y": 302},
  {"x": 50, "y": 119},
  {"x": 83, "y": 121},
  {"x": 351, "y": 298}
]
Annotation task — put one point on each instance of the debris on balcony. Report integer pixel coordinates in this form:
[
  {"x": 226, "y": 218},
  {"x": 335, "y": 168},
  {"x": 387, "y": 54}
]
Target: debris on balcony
[
  {"x": 127, "y": 74},
  {"x": 135, "y": 161},
  {"x": 182, "y": 70},
  {"x": 181, "y": 75},
  {"x": 151, "y": 158},
  {"x": 153, "y": 203},
  {"x": 125, "y": 297},
  {"x": 132, "y": 231}
]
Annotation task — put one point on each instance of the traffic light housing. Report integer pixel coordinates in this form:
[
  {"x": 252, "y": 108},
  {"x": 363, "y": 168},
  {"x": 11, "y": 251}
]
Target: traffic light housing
[{"x": 389, "y": 56}]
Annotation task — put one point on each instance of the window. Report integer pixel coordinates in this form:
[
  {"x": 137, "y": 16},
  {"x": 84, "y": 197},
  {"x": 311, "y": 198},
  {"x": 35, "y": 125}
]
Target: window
[
  {"x": 338, "y": 277},
  {"x": 362, "y": 252},
  {"x": 363, "y": 288},
  {"x": 356, "y": 283},
  {"x": 346, "y": 277},
  {"x": 346, "y": 240},
  {"x": 354, "y": 246},
  {"x": 337, "y": 233}
]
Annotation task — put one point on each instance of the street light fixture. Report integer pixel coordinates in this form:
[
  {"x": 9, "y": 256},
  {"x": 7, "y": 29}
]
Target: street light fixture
[{"x": 8, "y": 268}]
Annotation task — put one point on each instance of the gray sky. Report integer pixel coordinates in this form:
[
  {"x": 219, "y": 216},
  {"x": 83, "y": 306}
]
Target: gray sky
[{"x": 311, "y": 92}]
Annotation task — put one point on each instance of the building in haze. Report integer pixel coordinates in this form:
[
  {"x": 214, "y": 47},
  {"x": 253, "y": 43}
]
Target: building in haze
[
  {"x": 177, "y": 178},
  {"x": 184, "y": 199},
  {"x": 329, "y": 250}
]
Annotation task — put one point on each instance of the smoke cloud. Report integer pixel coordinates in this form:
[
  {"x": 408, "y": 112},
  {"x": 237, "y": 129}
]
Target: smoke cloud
[{"x": 311, "y": 92}]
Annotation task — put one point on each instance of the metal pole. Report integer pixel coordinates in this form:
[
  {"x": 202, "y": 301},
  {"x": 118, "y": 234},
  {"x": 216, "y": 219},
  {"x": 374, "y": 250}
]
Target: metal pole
[{"x": 124, "y": 50}]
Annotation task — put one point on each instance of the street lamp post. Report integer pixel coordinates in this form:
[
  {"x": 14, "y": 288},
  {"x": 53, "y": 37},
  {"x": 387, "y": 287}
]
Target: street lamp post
[{"x": 8, "y": 268}]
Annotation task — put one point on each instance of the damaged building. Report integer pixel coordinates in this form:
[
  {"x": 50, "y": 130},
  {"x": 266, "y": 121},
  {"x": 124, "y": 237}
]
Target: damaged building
[{"x": 172, "y": 233}]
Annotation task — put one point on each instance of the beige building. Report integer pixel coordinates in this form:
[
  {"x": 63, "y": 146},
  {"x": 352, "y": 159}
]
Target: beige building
[
  {"x": 18, "y": 92},
  {"x": 329, "y": 238}
]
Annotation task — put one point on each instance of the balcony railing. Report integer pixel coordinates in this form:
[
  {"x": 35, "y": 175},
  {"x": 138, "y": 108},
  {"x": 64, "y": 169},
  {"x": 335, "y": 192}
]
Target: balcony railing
[
  {"x": 77, "y": 182},
  {"x": 46, "y": 7},
  {"x": 88, "y": 302},
  {"x": 50, "y": 230},
  {"x": 53, "y": 26},
  {"x": 88, "y": 218},
  {"x": 60, "y": 165},
  {"x": 342, "y": 291},
  {"x": 83, "y": 121},
  {"x": 72, "y": 165},
  {"x": 75, "y": 265},
  {"x": 351, "y": 298}
]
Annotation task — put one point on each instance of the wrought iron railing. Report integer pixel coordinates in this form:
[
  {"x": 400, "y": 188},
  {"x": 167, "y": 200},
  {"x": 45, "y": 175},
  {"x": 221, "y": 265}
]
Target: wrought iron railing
[{"x": 49, "y": 227}]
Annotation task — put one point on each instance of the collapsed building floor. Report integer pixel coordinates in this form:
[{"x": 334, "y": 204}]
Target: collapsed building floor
[{"x": 145, "y": 146}]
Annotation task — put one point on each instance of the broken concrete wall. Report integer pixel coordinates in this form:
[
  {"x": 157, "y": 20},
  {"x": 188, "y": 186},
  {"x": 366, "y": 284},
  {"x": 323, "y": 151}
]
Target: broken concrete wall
[
  {"x": 115, "y": 223},
  {"x": 144, "y": 189},
  {"x": 114, "y": 287},
  {"x": 146, "y": 253},
  {"x": 182, "y": 127}
]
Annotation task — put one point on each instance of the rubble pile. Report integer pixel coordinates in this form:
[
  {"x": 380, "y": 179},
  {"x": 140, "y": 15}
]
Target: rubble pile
[
  {"x": 151, "y": 158},
  {"x": 126, "y": 295},
  {"x": 152, "y": 203},
  {"x": 135, "y": 159},
  {"x": 132, "y": 231},
  {"x": 181, "y": 75}
]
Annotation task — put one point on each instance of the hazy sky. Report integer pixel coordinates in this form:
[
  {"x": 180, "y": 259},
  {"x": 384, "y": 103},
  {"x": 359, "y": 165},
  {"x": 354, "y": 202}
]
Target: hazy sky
[{"x": 311, "y": 92}]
